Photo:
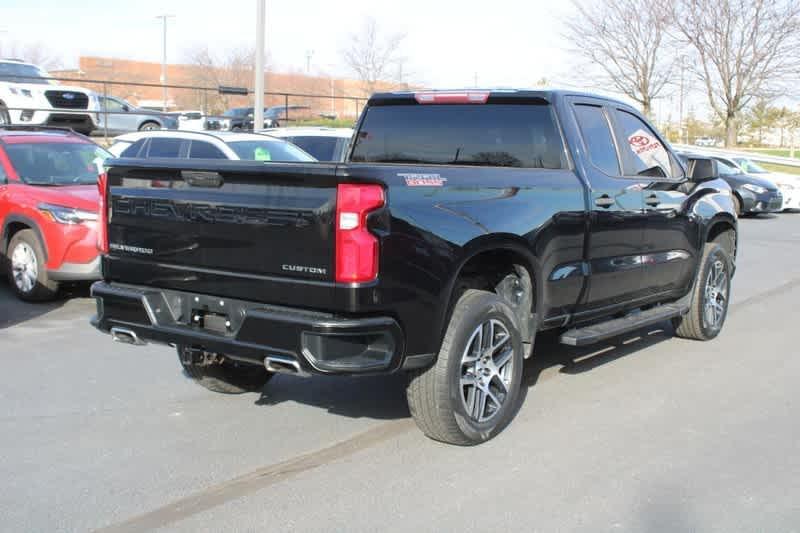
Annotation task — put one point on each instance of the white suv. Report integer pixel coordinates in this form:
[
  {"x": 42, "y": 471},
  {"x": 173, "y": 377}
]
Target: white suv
[{"x": 27, "y": 97}]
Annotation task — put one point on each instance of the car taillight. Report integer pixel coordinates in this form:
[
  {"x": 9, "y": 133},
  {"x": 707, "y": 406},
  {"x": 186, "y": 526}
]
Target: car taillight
[
  {"x": 356, "y": 247},
  {"x": 102, "y": 226}
]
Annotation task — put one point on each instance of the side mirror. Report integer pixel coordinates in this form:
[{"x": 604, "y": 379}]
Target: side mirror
[
  {"x": 703, "y": 169},
  {"x": 126, "y": 108}
]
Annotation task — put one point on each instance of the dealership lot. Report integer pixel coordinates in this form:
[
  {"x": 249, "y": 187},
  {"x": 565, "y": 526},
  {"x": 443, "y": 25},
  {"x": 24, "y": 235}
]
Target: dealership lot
[{"x": 644, "y": 433}]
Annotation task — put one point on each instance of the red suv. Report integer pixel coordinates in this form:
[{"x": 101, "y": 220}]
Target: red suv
[{"x": 48, "y": 209}]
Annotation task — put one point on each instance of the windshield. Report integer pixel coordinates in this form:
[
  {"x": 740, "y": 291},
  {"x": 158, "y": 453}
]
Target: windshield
[
  {"x": 57, "y": 163},
  {"x": 751, "y": 167},
  {"x": 21, "y": 73},
  {"x": 269, "y": 150},
  {"x": 238, "y": 112}
]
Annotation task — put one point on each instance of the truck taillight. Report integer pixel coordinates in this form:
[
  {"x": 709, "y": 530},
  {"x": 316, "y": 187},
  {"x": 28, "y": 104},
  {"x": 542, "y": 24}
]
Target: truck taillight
[
  {"x": 102, "y": 226},
  {"x": 356, "y": 247}
]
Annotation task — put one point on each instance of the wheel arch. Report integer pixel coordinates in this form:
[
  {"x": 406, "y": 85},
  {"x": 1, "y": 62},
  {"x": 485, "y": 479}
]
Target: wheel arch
[
  {"x": 16, "y": 223},
  {"x": 484, "y": 264},
  {"x": 718, "y": 225}
]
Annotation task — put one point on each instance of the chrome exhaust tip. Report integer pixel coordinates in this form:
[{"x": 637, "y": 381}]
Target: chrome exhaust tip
[
  {"x": 280, "y": 364},
  {"x": 126, "y": 336}
]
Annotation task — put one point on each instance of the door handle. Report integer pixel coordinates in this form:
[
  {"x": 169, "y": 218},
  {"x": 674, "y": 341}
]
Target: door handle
[
  {"x": 604, "y": 201},
  {"x": 652, "y": 200}
]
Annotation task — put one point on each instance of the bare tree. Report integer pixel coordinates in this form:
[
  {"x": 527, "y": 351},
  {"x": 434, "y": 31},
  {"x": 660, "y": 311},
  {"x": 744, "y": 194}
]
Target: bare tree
[
  {"x": 36, "y": 52},
  {"x": 745, "y": 49},
  {"x": 231, "y": 68},
  {"x": 627, "y": 41},
  {"x": 373, "y": 57}
]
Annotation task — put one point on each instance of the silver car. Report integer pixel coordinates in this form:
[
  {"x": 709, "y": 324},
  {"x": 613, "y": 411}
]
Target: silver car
[{"x": 124, "y": 117}]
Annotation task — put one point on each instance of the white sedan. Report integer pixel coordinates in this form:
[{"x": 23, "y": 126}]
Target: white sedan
[
  {"x": 326, "y": 144},
  {"x": 789, "y": 184}
]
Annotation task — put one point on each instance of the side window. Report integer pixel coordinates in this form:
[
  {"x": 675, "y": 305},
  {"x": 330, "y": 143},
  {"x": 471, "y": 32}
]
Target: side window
[
  {"x": 164, "y": 147},
  {"x": 133, "y": 150},
  {"x": 204, "y": 150},
  {"x": 112, "y": 105},
  {"x": 642, "y": 151},
  {"x": 596, "y": 134},
  {"x": 3, "y": 175}
]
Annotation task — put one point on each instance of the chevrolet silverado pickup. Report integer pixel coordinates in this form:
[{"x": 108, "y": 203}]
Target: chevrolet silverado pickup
[{"x": 460, "y": 224}]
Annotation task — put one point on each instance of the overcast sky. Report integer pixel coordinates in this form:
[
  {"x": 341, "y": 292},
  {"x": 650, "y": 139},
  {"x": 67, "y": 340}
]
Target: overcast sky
[{"x": 447, "y": 43}]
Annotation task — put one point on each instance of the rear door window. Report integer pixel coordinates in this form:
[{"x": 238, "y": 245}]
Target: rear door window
[
  {"x": 597, "y": 136},
  {"x": 205, "y": 150},
  {"x": 498, "y": 135},
  {"x": 165, "y": 147}
]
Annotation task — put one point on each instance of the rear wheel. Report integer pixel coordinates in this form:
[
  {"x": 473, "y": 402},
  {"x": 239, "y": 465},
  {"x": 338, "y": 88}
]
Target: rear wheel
[
  {"x": 709, "y": 306},
  {"x": 472, "y": 391},
  {"x": 26, "y": 268},
  {"x": 220, "y": 374}
]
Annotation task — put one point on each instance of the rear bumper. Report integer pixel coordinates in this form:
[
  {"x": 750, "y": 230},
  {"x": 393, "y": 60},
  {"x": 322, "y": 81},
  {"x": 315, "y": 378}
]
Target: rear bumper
[{"x": 248, "y": 331}]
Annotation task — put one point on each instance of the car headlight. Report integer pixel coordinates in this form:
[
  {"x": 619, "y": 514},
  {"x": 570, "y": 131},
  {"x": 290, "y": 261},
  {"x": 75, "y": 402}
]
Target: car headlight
[
  {"x": 67, "y": 215},
  {"x": 20, "y": 92},
  {"x": 754, "y": 188}
]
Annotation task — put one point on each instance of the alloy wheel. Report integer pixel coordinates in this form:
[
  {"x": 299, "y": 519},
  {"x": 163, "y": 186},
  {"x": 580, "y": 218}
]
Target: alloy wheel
[
  {"x": 487, "y": 366},
  {"x": 24, "y": 267},
  {"x": 716, "y": 292}
]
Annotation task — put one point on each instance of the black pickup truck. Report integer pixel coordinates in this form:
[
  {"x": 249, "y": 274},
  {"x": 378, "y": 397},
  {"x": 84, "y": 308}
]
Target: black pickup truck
[{"x": 461, "y": 224}]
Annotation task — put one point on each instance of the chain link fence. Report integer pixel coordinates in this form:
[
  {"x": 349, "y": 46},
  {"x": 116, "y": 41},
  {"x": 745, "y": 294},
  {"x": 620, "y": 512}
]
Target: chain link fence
[{"x": 105, "y": 108}]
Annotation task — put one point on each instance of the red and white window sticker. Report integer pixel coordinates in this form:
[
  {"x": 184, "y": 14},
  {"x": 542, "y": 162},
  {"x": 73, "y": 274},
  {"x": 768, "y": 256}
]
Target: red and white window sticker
[{"x": 648, "y": 149}]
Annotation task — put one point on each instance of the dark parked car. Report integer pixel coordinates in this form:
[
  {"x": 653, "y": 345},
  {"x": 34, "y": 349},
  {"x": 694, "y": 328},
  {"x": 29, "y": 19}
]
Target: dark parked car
[
  {"x": 459, "y": 226},
  {"x": 124, "y": 117},
  {"x": 752, "y": 194}
]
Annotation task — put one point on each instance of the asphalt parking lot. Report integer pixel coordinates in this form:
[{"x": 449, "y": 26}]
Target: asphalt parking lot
[{"x": 646, "y": 433}]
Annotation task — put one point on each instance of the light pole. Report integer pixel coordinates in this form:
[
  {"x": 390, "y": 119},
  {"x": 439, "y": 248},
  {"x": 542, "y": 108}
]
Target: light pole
[
  {"x": 258, "y": 85},
  {"x": 680, "y": 105},
  {"x": 164, "y": 57}
]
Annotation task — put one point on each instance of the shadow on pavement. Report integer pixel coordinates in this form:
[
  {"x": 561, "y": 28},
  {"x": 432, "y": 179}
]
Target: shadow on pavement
[
  {"x": 383, "y": 397},
  {"x": 14, "y": 311},
  {"x": 378, "y": 397}
]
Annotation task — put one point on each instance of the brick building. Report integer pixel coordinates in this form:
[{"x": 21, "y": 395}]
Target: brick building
[{"x": 199, "y": 86}]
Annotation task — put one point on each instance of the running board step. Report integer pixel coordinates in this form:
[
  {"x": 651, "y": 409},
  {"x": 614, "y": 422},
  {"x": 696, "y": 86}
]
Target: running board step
[{"x": 619, "y": 326}]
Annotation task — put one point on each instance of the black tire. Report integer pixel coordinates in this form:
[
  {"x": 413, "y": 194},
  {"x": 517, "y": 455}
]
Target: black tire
[
  {"x": 737, "y": 205},
  {"x": 436, "y": 395},
  {"x": 227, "y": 377},
  {"x": 236, "y": 128},
  {"x": 697, "y": 324},
  {"x": 5, "y": 117},
  {"x": 150, "y": 126},
  {"x": 42, "y": 288}
]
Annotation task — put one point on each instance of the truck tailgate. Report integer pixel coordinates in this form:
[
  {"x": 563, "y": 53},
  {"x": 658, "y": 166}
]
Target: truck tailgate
[{"x": 180, "y": 220}]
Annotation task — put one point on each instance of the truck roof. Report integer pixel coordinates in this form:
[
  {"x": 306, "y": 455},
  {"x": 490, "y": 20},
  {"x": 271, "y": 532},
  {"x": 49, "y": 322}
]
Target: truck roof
[{"x": 543, "y": 94}]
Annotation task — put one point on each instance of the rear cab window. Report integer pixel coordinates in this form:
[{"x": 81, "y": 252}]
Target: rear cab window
[{"x": 521, "y": 135}]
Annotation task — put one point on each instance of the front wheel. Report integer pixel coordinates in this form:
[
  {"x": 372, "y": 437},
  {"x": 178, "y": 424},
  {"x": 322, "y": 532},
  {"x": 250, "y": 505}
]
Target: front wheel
[
  {"x": 149, "y": 126},
  {"x": 26, "y": 268},
  {"x": 709, "y": 305},
  {"x": 220, "y": 374},
  {"x": 472, "y": 391}
]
